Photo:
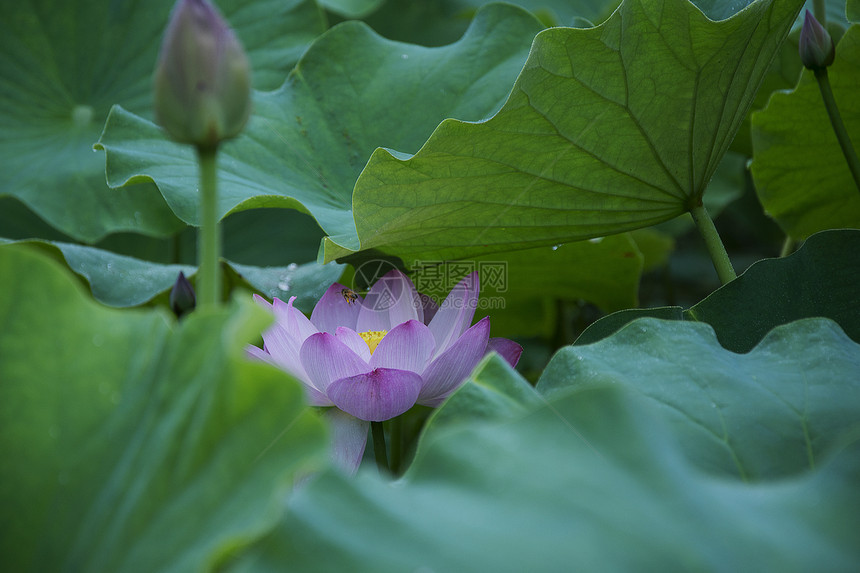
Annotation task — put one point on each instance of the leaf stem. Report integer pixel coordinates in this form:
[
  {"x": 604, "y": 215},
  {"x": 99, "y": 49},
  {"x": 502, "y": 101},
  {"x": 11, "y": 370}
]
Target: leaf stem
[
  {"x": 379, "y": 447},
  {"x": 838, "y": 127},
  {"x": 787, "y": 247},
  {"x": 209, "y": 235},
  {"x": 714, "y": 244}
]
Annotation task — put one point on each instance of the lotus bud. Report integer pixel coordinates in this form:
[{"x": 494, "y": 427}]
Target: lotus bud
[
  {"x": 182, "y": 297},
  {"x": 203, "y": 78},
  {"x": 816, "y": 45}
]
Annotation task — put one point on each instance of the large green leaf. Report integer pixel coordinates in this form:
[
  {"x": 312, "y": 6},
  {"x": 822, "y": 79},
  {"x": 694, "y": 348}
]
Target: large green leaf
[
  {"x": 820, "y": 279},
  {"x": 799, "y": 170},
  {"x": 63, "y": 65},
  {"x": 122, "y": 281},
  {"x": 726, "y": 186},
  {"x": 443, "y": 21},
  {"x": 852, "y": 10},
  {"x": 613, "y": 477},
  {"x": 134, "y": 444},
  {"x": 352, "y": 92},
  {"x": 799, "y": 383},
  {"x": 608, "y": 129},
  {"x": 351, "y": 8},
  {"x": 557, "y": 12}
]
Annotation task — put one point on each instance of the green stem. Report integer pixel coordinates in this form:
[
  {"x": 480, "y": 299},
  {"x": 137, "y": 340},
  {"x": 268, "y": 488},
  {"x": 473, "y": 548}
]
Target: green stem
[
  {"x": 379, "y": 447},
  {"x": 787, "y": 247},
  {"x": 209, "y": 235},
  {"x": 715, "y": 246},
  {"x": 819, "y": 10},
  {"x": 396, "y": 427},
  {"x": 838, "y": 126}
]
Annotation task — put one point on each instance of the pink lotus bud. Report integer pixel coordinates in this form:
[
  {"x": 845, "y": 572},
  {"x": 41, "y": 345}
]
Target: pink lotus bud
[
  {"x": 816, "y": 45},
  {"x": 203, "y": 79}
]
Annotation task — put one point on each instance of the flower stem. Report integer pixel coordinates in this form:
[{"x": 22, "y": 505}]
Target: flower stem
[
  {"x": 838, "y": 126},
  {"x": 714, "y": 244},
  {"x": 379, "y": 447},
  {"x": 209, "y": 235},
  {"x": 396, "y": 426}
]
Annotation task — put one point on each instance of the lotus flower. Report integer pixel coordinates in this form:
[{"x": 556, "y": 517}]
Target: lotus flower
[{"x": 374, "y": 358}]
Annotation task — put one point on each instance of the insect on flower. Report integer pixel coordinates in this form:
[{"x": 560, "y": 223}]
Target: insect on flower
[{"x": 349, "y": 295}]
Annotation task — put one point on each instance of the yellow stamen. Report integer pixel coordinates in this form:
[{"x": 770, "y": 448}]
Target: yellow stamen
[{"x": 372, "y": 338}]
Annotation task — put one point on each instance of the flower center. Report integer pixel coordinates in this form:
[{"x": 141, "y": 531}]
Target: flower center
[{"x": 372, "y": 338}]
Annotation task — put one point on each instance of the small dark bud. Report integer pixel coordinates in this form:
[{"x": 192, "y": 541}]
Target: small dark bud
[
  {"x": 816, "y": 46},
  {"x": 203, "y": 78},
  {"x": 182, "y": 297}
]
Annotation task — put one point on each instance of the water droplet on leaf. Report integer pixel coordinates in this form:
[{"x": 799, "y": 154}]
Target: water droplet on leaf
[{"x": 82, "y": 115}]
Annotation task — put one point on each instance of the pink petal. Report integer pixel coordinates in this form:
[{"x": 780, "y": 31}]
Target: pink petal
[
  {"x": 392, "y": 300},
  {"x": 284, "y": 339},
  {"x": 508, "y": 349},
  {"x": 378, "y": 395},
  {"x": 314, "y": 396},
  {"x": 456, "y": 312},
  {"x": 262, "y": 302},
  {"x": 447, "y": 372},
  {"x": 339, "y": 306},
  {"x": 408, "y": 346},
  {"x": 326, "y": 359},
  {"x": 252, "y": 351},
  {"x": 348, "y": 439},
  {"x": 292, "y": 319},
  {"x": 430, "y": 307},
  {"x": 355, "y": 342}
]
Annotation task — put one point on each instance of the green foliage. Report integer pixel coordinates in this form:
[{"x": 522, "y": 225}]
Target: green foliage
[
  {"x": 64, "y": 66},
  {"x": 352, "y": 92},
  {"x": 122, "y": 281},
  {"x": 123, "y": 426},
  {"x": 558, "y": 12},
  {"x": 785, "y": 384},
  {"x": 626, "y": 464},
  {"x": 520, "y": 289},
  {"x": 720, "y": 437},
  {"x": 351, "y": 8},
  {"x": 819, "y": 280},
  {"x": 607, "y": 129},
  {"x": 801, "y": 176}
]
